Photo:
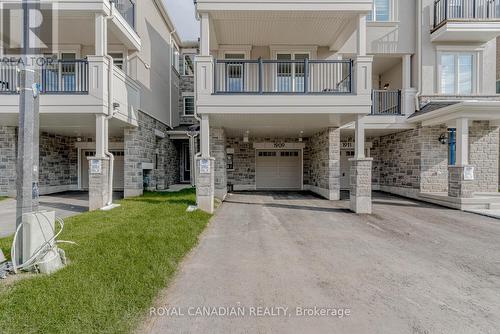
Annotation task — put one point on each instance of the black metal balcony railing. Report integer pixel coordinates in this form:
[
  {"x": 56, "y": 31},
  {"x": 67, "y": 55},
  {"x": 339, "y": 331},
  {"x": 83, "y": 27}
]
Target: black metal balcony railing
[
  {"x": 127, "y": 9},
  {"x": 386, "y": 102},
  {"x": 445, "y": 10},
  {"x": 283, "y": 76},
  {"x": 57, "y": 77}
]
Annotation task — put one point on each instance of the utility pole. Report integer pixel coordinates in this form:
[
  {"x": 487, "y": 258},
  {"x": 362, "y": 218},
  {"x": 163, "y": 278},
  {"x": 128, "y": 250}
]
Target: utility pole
[{"x": 28, "y": 131}]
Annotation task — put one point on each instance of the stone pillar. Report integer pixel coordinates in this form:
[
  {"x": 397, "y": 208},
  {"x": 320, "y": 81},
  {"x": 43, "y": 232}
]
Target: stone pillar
[
  {"x": 218, "y": 152},
  {"x": 458, "y": 186},
  {"x": 98, "y": 182},
  {"x": 205, "y": 184},
  {"x": 361, "y": 185}
]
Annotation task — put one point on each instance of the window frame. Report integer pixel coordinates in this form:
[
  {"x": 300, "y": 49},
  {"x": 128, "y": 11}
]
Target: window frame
[
  {"x": 184, "y": 55},
  {"x": 184, "y": 97},
  {"x": 392, "y": 6},
  {"x": 474, "y": 71}
]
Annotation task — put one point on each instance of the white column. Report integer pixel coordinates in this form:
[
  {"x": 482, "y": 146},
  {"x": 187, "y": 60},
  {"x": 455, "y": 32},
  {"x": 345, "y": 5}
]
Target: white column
[
  {"x": 205, "y": 136},
  {"x": 361, "y": 34},
  {"x": 100, "y": 135},
  {"x": 101, "y": 35},
  {"x": 359, "y": 138},
  {"x": 205, "y": 35},
  {"x": 406, "y": 80},
  {"x": 462, "y": 142}
]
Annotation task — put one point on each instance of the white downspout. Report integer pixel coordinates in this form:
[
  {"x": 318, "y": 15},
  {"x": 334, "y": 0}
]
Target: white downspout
[
  {"x": 110, "y": 115},
  {"x": 170, "y": 77},
  {"x": 419, "y": 54}
]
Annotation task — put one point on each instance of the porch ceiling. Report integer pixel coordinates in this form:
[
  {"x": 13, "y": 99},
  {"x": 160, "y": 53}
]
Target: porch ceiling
[
  {"x": 262, "y": 28},
  {"x": 274, "y": 125}
]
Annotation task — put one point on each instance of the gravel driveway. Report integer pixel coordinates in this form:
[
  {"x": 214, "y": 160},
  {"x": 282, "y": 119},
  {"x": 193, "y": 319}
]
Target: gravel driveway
[{"x": 408, "y": 268}]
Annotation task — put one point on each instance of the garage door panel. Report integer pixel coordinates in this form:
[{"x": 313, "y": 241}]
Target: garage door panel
[{"x": 280, "y": 169}]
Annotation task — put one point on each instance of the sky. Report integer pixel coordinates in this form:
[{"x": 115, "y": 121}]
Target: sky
[{"x": 182, "y": 13}]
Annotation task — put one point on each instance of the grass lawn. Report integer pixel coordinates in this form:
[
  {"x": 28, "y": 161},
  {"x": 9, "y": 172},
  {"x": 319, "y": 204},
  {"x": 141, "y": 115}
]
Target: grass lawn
[
  {"x": 123, "y": 259},
  {"x": 3, "y": 198}
]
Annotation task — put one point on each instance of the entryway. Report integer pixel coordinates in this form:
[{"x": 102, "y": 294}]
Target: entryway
[{"x": 278, "y": 169}]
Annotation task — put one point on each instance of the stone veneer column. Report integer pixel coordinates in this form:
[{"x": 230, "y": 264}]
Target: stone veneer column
[
  {"x": 361, "y": 185},
  {"x": 218, "y": 152},
  {"x": 98, "y": 184},
  {"x": 205, "y": 186},
  {"x": 457, "y": 185}
]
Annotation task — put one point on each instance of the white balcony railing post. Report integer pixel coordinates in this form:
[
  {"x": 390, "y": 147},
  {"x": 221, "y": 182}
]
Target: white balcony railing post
[
  {"x": 363, "y": 75},
  {"x": 204, "y": 78},
  {"x": 98, "y": 78}
]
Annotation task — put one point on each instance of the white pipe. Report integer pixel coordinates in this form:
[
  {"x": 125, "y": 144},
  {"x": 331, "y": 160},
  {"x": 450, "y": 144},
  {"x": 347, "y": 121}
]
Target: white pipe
[
  {"x": 419, "y": 54},
  {"x": 110, "y": 115},
  {"x": 170, "y": 77}
]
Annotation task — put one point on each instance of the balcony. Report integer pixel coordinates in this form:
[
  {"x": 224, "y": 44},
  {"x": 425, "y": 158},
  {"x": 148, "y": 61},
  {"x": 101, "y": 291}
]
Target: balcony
[
  {"x": 126, "y": 8},
  {"x": 466, "y": 20},
  {"x": 386, "y": 102},
  {"x": 280, "y": 77},
  {"x": 56, "y": 77}
]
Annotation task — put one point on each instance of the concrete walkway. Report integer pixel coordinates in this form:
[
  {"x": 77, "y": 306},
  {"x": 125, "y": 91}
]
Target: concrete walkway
[
  {"x": 408, "y": 268},
  {"x": 64, "y": 204}
]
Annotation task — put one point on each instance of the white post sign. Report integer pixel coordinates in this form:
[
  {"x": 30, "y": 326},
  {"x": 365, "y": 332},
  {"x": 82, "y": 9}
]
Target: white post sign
[
  {"x": 95, "y": 166},
  {"x": 468, "y": 173},
  {"x": 204, "y": 166}
]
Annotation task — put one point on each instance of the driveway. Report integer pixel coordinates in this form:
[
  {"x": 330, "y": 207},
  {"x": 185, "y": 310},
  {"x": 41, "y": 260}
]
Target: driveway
[
  {"x": 408, "y": 268},
  {"x": 65, "y": 204}
]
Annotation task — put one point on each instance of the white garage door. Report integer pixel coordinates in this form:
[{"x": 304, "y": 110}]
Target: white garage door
[
  {"x": 279, "y": 169},
  {"x": 118, "y": 170}
]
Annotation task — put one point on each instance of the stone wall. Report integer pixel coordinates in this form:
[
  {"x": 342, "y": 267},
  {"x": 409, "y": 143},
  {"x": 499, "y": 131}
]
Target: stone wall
[
  {"x": 8, "y": 155},
  {"x": 142, "y": 145},
  {"x": 324, "y": 163},
  {"x": 411, "y": 161},
  {"x": 58, "y": 162},
  {"x": 218, "y": 152},
  {"x": 484, "y": 155}
]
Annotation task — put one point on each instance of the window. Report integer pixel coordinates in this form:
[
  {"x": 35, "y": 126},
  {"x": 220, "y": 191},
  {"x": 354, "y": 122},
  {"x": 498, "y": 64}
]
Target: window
[
  {"x": 188, "y": 105},
  {"x": 117, "y": 59},
  {"x": 175, "y": 58},
  {"x": 381, "y": 11},
  {"x": 456, "y": 75},
  {"x": 498, "y": 86},
  {"x": 188, "y": 65}
]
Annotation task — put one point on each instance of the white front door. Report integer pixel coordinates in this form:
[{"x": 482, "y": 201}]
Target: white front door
[{"x": 278, "y": 169}]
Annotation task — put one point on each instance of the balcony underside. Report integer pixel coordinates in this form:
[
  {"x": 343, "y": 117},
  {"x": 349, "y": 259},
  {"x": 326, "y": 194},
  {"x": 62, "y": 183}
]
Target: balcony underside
[
  {"x": 466, "y": 31},
  {"x": 278, "y": 125},
  {"x": 264, "y": 28}
]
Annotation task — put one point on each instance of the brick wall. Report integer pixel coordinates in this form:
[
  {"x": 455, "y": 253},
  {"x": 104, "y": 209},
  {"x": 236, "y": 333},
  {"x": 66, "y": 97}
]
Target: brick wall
[
  {"x": 483, "y": 155},
  {"x": 143, "y": 146},
  {"x": 324, "y": 163},
  {"x": 8, "y": 154},
  {"x": 218, "y": 151},
  {"x": 414, "y": 160}
]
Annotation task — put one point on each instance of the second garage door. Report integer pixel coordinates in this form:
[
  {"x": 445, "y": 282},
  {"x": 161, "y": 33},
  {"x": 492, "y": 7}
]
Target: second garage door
[{"x": 279, "y": 169}]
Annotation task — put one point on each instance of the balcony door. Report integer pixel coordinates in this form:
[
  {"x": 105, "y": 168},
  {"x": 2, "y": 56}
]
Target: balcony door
[
  {"x": 290, "y": 72},
  {"x": 235, "y": 72},
  {"x": 61, "y": 74}
]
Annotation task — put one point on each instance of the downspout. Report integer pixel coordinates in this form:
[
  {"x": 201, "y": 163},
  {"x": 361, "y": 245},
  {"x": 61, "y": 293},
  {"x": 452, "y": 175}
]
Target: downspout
[
  {"x": 170, "y": 78},
  {"x": 419, "y": 54},
  {"x": 110, "y": 115}
]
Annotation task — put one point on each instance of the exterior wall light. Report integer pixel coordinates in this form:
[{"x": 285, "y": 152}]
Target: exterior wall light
[{"x": 443, "y": 139}]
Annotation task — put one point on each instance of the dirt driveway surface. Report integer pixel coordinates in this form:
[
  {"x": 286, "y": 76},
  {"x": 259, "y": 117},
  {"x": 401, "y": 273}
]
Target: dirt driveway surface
[{"x": 408, "y": 268}]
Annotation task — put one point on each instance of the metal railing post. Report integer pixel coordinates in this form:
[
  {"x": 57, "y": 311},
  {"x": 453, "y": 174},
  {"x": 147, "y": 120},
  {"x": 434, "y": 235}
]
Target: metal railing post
[
  {"x": 306, "y": 75},
  {"x": 261, "y": 79}
]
